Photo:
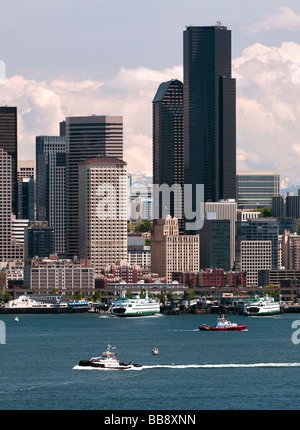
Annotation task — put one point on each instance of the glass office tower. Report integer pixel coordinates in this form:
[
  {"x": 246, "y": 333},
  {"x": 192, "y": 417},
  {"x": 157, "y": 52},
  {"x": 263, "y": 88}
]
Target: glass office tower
[
  {"x": 168, "y": 146},
  {"x": 51, "y": 186},
  {"x": 209, "y": 112},
  {"x": 87, "y": 137},
  {"x": 255, "y": 189},
  {"x": 9, "y": 143}
]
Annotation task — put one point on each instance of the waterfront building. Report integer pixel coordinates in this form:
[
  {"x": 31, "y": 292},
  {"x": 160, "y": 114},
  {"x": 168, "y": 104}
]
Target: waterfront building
[
  {"x": 225, "y": 209},
  {"x": 9, "y": 144},
  {"x": 51, "y": 186},
  {"x": 39, "y": 240},
  {"x": 122, "y": 272},
  {"x": 256, "y": 188},
  {"x": 277, "y": 276},
  {"x": 211, "y": 278},
  {"x": 215, "y": 244},
  {"x": 168, "y": 148},
  {"x": 171, "y": 251},
  {"x": 221, "y": 278},
  {"x": 86, "y": 137},
  {"x": 103, "y": 211},
  {"x": 209, "y": 112},
  {"x": 188, "y": 279},
  {"x": 63, "y": 276}
]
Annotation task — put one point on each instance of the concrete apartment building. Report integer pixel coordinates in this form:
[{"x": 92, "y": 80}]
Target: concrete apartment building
[
  {"x": 103, "y": 211},
  {"x": 173, "y": 252},
  {"x": 255, "y": 255}
]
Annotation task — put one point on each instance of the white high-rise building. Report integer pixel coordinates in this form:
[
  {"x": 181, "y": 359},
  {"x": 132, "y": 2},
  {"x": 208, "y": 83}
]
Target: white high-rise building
[
  {"x": 255, "y": 255},
  {"x": 103, "y": 211}
]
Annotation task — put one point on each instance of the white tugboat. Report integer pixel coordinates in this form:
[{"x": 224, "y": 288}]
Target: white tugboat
[{"x": 107, "y": 361}]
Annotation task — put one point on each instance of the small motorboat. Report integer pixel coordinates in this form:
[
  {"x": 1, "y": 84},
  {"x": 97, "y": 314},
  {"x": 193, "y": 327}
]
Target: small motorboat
[
  {"x": 155, "y": 351},
  {"x": 107, "y": 361},
  {"x": 17, "y": 319},
  {"x": 223, "y": 325}
]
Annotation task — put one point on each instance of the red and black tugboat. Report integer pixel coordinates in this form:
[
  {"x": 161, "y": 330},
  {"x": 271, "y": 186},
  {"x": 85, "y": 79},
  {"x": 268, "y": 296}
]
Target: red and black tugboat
[{"x": 223, "y": 325}]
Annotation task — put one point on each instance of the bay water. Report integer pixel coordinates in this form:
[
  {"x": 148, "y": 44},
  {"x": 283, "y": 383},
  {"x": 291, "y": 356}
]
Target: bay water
[{"x": 256, "y": 369}]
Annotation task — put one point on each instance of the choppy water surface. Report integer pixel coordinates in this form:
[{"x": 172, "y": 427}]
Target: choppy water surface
[{"x": 255, "y": 369}]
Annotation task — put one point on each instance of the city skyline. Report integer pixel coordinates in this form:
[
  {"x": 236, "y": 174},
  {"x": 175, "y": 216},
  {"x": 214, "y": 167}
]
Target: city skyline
[{"x": 122, "y": 81}]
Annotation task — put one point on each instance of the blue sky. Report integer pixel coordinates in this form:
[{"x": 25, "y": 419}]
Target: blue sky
[
  {"x": 76, "y": 57},
  {"x": 94, "y": 38}
]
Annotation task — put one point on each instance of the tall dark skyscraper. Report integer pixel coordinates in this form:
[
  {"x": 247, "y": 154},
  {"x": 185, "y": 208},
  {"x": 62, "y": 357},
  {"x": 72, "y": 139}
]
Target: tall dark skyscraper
[
  {"x": 86, "y": 137},
  {"x": 209, "y": 112},
  {"x": 50, "y": 155},
  {"x": 168, "y": 144},
  {"x": 9, "y": 143}
]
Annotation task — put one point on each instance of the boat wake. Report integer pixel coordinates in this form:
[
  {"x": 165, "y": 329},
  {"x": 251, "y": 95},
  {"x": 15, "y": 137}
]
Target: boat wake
[{"x": 199, "y": 366}]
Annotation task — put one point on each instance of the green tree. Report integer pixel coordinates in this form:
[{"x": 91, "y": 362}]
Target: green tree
[
  {"x": 144, "y": 226},
  {"x": 265, "y": 212}
]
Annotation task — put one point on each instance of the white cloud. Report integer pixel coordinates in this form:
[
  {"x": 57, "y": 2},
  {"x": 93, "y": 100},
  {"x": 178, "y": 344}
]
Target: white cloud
[
  {"x": 42, "y": 105},
  {"x": 284, "y": 19},
  {"x": 268, "y": 109}
]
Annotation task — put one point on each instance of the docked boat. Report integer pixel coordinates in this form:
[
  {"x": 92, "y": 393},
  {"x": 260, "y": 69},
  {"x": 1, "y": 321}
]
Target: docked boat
[
  {"x": 135, "y": 306},
  {"x": 107, "y": 361},
  {"x": 261, "y": 306},
  {"x": 223, "y": 325},
  {"x": 26, "y": 303}
]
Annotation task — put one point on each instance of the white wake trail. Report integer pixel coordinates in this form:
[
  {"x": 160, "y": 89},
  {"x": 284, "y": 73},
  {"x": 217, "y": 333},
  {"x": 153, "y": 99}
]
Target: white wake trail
[{"x": 199, "y": 366}]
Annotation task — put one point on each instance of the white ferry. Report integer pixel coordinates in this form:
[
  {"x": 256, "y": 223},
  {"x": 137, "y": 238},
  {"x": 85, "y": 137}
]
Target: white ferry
[
  {"x": 27, "y": 302},
  {"x": 261, "y": 306},
  {"x": 136, "y": 306},
  {"x": 42, "y": 304}
]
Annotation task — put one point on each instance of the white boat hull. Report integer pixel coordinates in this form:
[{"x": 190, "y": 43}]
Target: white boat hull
[
  {"x": 135, "y": 307},
  {"x": 261, "y": 307}
]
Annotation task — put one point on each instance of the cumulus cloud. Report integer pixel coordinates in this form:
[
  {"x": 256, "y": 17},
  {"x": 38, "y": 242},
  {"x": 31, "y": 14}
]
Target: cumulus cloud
[
  {"x": 268, "y": 108},
  {"x": 42, "y": 105},
  {"x": 284, "y": 19}
]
